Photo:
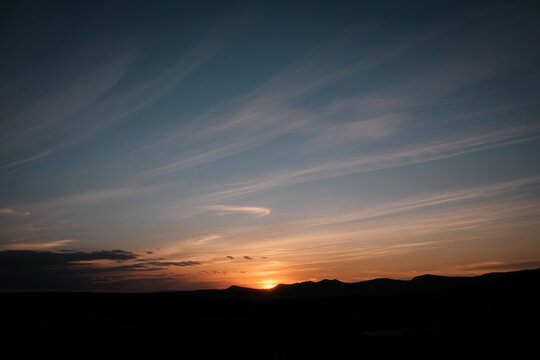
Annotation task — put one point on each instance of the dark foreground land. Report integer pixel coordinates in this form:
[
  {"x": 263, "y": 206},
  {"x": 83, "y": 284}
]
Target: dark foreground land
[{"x": 428, "y": 317}]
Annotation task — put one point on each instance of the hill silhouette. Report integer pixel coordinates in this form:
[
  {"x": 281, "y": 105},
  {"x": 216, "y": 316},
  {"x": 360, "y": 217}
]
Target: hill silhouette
[
  {"x": 428, "y": 316},
  {"x": 521, "y": 281}
]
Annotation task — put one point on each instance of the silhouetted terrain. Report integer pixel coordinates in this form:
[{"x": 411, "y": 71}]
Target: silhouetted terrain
[{"x": 428, "y": 316}]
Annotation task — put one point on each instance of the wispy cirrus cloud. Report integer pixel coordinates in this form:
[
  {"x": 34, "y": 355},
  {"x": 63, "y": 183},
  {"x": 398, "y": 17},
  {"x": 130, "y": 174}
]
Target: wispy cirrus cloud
[
  {"x": 363, "y": 130},
  {"x": 37, "y": 245},
  {"x": 90, "y": 196},
  {"x": 253, "y": 124},
  {"x": 411, "y": 204},
  {"x": 104, "y": 93},
  {"x": 441, "y": 149},
  {"x": 228, "y": 209},
  {"x": 147, "y": 92},
  {"x": 38, "y": 121},
  {"x": 271, "y": 110},
  {"x": 498, "y": 265},
  {"x": 28, "y": 161},
  {"x": 13, "y": 212},
  {"x": 267, "y": 113}
]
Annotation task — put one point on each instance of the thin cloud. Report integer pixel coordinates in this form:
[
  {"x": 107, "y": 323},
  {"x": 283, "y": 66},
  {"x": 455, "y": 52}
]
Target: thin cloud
[
  {"x": 441, "y": 149},
  {"x": 503, "y": 265},
  {"x": 88, "y": 197},
  {"x": 14, "y": 212},
  {"x": 38, "y": 119},
  {"x": 367, "y": 130},
  {"x": 410, "y": 204},
  {"x": 264, "y": 114},
  {"x": 27, "y": 161},
  {"x": 248, "y": 258},
  {"x": 94, "y": 102},
  {"x": 253, "y": 124},
  {"x": 261, "y": 211},
  {"x": 38, "y": 246}
]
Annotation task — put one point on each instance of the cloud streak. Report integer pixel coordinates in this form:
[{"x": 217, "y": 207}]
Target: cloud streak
[
  {"x": 28, "y": 161},
  {"x": 228, "y": 209},
  {"x": 38, "y": 121},
  {"x": 82, "y": 106},
  {"x": 12, "y": 212},
  {"x": 37, "y": 246},
  {"x": 441, "y": 149},
  {"x": 266, "y": 113},
  {"x": 502, "y": 265},
  {"x": 409, "y": 205}
]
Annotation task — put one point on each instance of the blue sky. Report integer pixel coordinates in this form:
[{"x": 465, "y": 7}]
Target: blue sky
[{"x": 251, "y": 143}]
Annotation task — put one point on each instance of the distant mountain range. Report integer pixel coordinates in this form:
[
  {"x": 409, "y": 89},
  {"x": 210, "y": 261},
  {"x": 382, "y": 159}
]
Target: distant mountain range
[{"x": 522, "y": 281}]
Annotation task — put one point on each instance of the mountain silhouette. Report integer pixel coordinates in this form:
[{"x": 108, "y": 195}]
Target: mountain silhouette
[{"x": 516, "y": 281}]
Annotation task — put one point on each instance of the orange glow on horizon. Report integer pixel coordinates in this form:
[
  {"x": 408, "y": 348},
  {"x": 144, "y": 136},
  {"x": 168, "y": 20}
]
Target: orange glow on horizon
[{"x": 269, "y": 284}]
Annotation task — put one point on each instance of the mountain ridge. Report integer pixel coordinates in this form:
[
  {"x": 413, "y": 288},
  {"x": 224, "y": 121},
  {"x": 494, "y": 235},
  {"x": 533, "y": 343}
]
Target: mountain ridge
[{"x": 424, "y": 284}]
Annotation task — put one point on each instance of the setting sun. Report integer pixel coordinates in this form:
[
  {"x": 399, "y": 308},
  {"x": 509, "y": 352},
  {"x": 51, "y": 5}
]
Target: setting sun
[{"x": 269, "y": 284}]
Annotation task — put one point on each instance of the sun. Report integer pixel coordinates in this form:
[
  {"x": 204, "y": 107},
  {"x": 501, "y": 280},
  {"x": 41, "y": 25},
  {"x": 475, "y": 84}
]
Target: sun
[{"x": 269, "y": 284}]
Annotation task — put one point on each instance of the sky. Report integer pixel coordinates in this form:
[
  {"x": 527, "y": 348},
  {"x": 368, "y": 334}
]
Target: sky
[{"x": 149, "y": 146}]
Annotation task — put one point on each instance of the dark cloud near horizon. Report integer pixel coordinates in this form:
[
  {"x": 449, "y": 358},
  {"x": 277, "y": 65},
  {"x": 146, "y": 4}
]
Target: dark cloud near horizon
[
  {"x": 230, "y": 257},
  {"x": 248, "y": 258},
  {"x": 48, "y": 258},
  {"x": 28, "y": 270}
]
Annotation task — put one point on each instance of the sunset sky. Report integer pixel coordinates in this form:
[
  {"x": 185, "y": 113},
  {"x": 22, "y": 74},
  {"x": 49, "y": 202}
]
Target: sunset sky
[{"x": 174, "y": 145}]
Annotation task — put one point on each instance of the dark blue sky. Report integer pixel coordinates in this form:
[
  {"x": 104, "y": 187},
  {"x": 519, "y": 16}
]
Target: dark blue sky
[{"x": 262, "y": 142}]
